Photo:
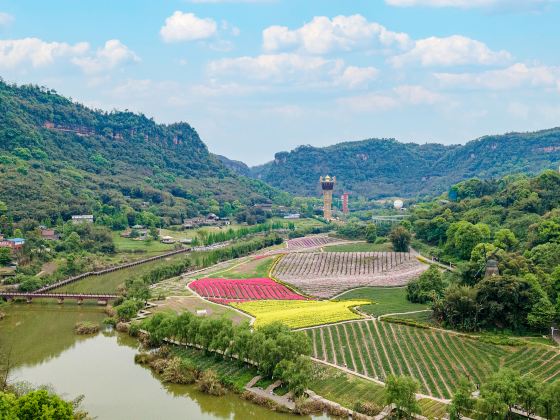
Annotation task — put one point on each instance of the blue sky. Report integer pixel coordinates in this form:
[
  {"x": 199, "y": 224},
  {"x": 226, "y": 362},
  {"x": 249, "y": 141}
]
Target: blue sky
[{"x": 255, "y": 77}]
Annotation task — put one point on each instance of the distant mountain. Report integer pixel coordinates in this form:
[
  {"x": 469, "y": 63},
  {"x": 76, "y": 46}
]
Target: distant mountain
[
  {"x": 235, "y": 165},
  {"x": 59, "y": 158},
  {"x": 378, "y": 168}
]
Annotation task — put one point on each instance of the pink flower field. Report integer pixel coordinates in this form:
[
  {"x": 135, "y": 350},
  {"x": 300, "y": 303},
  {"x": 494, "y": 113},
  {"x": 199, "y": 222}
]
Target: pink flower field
[{"x": 227, "y": 290}]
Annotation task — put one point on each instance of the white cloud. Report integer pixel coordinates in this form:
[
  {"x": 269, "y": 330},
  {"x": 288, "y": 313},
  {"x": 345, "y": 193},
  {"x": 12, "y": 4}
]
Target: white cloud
[
  {"x": 274, "y": 67},
  {"x": 36, "y": 52},
  {"x": 450, "y": 51},
  {"x": 470, "y": 4},
  {"x": 341, "y": 33},
  {"x": 515, "y": 76},
  {"x": 113, "y": 54},
  {"x": 296, "y": 69},
  {"x": 400, "y": 96},
  {"x": 5, "y": 19},
  {"x": 417, "y": 95},
  {"x": 187, "y": 27},
  {"x": 354, "y": 77}
]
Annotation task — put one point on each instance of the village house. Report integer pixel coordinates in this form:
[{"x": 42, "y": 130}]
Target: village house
[
  {"x": 292, "y": 216},
  {"x": 167, "y": 240},
  {"x": 82, "y": 218},
  {"x": 12, "y": 243},
  {"x": 49, "y": 234}
]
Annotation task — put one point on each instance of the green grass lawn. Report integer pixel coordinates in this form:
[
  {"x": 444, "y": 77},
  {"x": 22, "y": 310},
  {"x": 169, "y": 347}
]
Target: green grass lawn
[
  {"x": 147, "y": 248},
  {"x": 248, "y": 269},
  {"x": 387, "y": 300},
  {"x": 360, "y": 247},
  {"x": 345, "y": 389},
  {"x": 299, "y": 223},
  {"x": 422, "y": 317},
  {"x": 109, "y": 283}
]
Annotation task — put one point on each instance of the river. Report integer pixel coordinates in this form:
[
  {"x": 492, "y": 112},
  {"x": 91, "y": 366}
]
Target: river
[{"x": 45, "y": 350}]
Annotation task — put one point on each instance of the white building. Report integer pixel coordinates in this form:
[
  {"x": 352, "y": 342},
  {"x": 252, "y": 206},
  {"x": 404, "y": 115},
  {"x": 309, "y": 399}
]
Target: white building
[{"x": 82, "y": 218}]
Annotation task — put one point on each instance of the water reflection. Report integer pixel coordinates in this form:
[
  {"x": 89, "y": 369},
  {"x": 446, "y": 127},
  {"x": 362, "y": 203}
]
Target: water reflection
[{"x": 102, "y": 368}]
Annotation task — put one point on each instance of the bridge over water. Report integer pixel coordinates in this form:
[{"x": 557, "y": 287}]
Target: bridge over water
[{"x": 101, "y": 298}]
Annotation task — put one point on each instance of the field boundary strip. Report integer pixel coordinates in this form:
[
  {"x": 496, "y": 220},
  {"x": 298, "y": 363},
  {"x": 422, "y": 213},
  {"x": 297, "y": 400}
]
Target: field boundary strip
[{"x": 251, "y": 317}]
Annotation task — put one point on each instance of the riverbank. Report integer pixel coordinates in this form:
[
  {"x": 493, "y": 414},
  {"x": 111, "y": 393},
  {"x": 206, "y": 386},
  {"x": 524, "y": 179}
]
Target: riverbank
[{"x": 47, "y": 351}]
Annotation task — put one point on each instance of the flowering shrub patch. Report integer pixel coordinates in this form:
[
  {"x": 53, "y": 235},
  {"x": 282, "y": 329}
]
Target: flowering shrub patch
[
  {"x": 302, "y": 313},
  {"x": 226, "y": 290}
]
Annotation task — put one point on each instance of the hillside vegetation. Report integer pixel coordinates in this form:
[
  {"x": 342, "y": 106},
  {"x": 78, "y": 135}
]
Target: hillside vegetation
[
  {"x": 59, "y": 158},
  {"x": 514, "y": 221},
  {"x": 387, "y": 168}
]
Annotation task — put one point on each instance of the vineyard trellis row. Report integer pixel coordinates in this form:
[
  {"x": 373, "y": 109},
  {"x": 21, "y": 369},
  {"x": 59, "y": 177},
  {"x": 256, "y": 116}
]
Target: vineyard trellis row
[
  {"x": 437, "y": 359},
  {"x": 326, "y": 274},
  {"x": 311, "y": 242}
]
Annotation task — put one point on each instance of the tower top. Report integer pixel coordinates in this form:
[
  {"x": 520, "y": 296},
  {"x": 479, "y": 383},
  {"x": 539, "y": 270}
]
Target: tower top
[{"x": 327, "y": 183}]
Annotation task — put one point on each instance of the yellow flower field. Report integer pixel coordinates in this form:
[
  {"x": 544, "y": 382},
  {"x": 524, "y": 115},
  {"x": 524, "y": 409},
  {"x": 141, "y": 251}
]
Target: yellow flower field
[{"x": 300, "y": 313}]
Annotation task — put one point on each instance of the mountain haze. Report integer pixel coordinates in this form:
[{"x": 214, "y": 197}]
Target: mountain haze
[{"x": 377, "y": 168}]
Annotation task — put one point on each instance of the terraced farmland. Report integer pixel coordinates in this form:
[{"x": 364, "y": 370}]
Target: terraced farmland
[
  {"x": 438, "y": 360},
  {"x": 226, "y": 291},
  {"x": 326, "y": 274}
]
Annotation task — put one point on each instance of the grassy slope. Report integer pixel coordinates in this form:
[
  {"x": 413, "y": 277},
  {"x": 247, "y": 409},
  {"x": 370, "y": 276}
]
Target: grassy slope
[
  {"x": 248, "y": 269},
  {"x": 388, "y": 300},
  {"x": 110, "y": 282},
  {"x": 236, "y": 373}
]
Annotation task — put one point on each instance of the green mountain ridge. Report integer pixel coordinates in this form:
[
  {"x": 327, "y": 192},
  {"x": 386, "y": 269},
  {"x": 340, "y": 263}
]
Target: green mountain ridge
[
  {"x": 59, "y": 158},
  {"x": 377, "y": 168}
]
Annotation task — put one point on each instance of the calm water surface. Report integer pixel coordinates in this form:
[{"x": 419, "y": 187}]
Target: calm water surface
[{"x": 46, "y": 351}]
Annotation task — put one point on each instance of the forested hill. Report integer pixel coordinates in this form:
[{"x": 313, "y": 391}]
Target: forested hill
[
  {"x": 59, "y": 158},
  {"x": 235, "y": 165},
  {"x": 387, "y": 168}
]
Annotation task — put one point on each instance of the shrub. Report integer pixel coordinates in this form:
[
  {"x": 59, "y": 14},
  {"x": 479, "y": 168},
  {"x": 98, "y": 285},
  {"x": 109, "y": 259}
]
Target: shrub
[
  {"x": 428, "y": 287},
  {"x": 209, "y": 383},
  {"x": 180, "y": 371},
  {"x": 367, "y": 408},
  {"x": 144, "y": 358},
  {"x": 158, "y": 365},
  {"x": 86, "y": 327},
  {"x": 122, "y": 327}
]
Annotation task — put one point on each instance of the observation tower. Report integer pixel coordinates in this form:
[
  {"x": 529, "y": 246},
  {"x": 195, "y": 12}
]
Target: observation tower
[{"x": 327, "y": 185}]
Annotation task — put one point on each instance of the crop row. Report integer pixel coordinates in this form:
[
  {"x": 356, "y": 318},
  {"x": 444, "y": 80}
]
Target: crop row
[
  {"x": 438, "y": 360},
  {"x": 300, "y": 313},
  {"x": 310, "y": 242},
  {"x": 327, "y": 273},
  {"x": 343, "y": 263},
  {"x": 226, "y": 290}
]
